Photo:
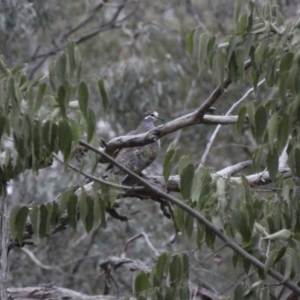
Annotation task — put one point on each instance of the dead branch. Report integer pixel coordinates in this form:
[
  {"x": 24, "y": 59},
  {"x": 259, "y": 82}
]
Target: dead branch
[{"x": 52, "y": 292}]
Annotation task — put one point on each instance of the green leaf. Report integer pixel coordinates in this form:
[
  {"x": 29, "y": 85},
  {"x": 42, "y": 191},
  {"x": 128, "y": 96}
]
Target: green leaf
[
  {"x": 61, "y": 95},
  {"x": 183, "y": 162},
  {"x": 83, "y": 98},
  {"x": 221, "y": 193},
  {"x": 200, "y": 235},
  {"x": 161, "y": 265},
  {"x": 260, "y": 53},
  {"x": 180, "y": 218},
  {"x": 55, "y": 214},
  {"x": 104, "y": 96},
  {"x": 185, "y": 266},
  {"x": 2, "y": 124},
  {"x": 34, "y": 218},
  {"x": 61, "y": 68},
  {"x": 237, "y": 9},
  {"x": 221, "y": 65},
  {"x": 232, "y": 47},
  {"x": 43, "y": 221},
  {"x": 233, "y": 68},
  {"x": 189, "y": 225},
  {"x": 242, "y": 24},
  {"x": 39, "y": 97},
  {"x": 211, "y": 51},
  {"x": 241, "y": 119},
  {"x": 197, "y": 184},
  {"x": 65, "y": 139},
  {"x": 288, "y": 266},
  {"x": 283, "y": 131},
  {"x": 71, "y": 56},
  {"x": 12, "y": 221},
  {"x": 297, "y": 161},
  {"x": 102, "y": 207},
  {"x": 210, "y": 238},
  {"x": 18, "y": 68},
  {"x": 72, "y": 211},
  {"x": 257, "y": 158},
  {"x": 261, "y": 120},
  {"x": 82, "y": 207},
  {"x": 240, "y": 59},
  {"x": 272, "y": 163},
  {"x": 240, "y": 222},
  {"x": 238, "y": 293},
  {"x": 251, "y": 115},
  {"x": 90, "y": 214},
  {"x": 190, "y": 41},
  {"x": 270, "y": 261},
  {"x": 204, "y": 196},
  {"x": 53, "y": 137},
  {"x": 203, "y": 40},
  {"x": 75, "y": 131},
  {"x": 280, "y": 253},
  {"x": 175, "y": 270},
  {"x": 141, "y": 282},
  {"x": 168, "y": 160},
  {"x": 186, "y": 181},
  {"x": 91, "y": 125},
  {"x": 20, "y": 221},
  {"x": 286, "y": 62},
  {"x": 49, "y": 207},
  {"x": 273, "y": 129}
]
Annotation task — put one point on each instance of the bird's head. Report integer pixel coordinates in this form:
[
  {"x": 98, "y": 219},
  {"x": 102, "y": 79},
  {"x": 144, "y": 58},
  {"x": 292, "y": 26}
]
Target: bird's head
[{"x": 151, "y": 117}]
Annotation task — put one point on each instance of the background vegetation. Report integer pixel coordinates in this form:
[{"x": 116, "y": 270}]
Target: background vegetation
[{"x": 167, "y": 56}]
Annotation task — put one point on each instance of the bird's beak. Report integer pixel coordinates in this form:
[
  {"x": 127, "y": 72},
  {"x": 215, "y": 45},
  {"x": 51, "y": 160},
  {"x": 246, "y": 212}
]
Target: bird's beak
[{"x": 162, "y": 120}]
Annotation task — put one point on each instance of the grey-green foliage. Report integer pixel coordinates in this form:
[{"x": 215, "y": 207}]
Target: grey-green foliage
[{"x": 36, "y": 115}]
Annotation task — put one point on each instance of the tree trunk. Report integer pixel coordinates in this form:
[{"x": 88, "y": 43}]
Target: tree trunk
[{"x": 4, "y": 243}]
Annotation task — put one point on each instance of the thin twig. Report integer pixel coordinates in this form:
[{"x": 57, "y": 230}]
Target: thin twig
[
  {"x": 232, "y": 108},
  {"x": 146, "y": 237},
  {"x": 96, "y": 179}
]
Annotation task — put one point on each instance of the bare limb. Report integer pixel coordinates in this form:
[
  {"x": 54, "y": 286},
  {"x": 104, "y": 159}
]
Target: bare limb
[
  {"x": 146, "y": 237},
  {"x": 54, "y": 292},
  {"x": 151, "y": 136},
  {"x": 109, "y": 25},
  {"x": 96, "y": 179},
  {"x": 215, "y": 95},
  {"x": 232, "y": 108},
  {"x": 263, "y": 178},
  {"x": 234, "y": 246},
  {"x": 196, "y": 117},
  {"x": 229, "y": 171},
  {"x": 4, "y": 241}
]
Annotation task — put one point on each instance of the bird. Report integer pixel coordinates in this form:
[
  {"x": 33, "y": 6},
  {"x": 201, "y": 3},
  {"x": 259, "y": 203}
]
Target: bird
[{"x": 137, "y": 158}]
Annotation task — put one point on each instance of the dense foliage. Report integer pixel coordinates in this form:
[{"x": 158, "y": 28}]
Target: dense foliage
[{"x": 87, "y": 80}]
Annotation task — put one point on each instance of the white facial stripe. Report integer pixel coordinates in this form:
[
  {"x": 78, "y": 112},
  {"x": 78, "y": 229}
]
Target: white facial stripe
[{"x": 155, "y": 114}]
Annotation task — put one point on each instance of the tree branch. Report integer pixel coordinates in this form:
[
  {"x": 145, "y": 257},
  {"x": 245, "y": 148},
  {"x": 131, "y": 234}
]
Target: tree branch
[
  {"x": 232, "y": 108},
  {"x": 151, "y": 136},
  {"x": 4, "y": 241},
  {"x": 196, "y": 117},
  {"x": 235, "y": 247}
]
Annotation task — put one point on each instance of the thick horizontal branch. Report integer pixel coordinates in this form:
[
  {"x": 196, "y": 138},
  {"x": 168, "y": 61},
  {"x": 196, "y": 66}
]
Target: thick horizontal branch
[
  {"x": 151, "y": 136},
  {"x": 54, "y": 292}
]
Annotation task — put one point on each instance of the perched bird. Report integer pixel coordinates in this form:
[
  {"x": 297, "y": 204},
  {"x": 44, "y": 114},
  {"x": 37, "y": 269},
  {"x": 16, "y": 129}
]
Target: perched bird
[{"x": 137, "y": 158}]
